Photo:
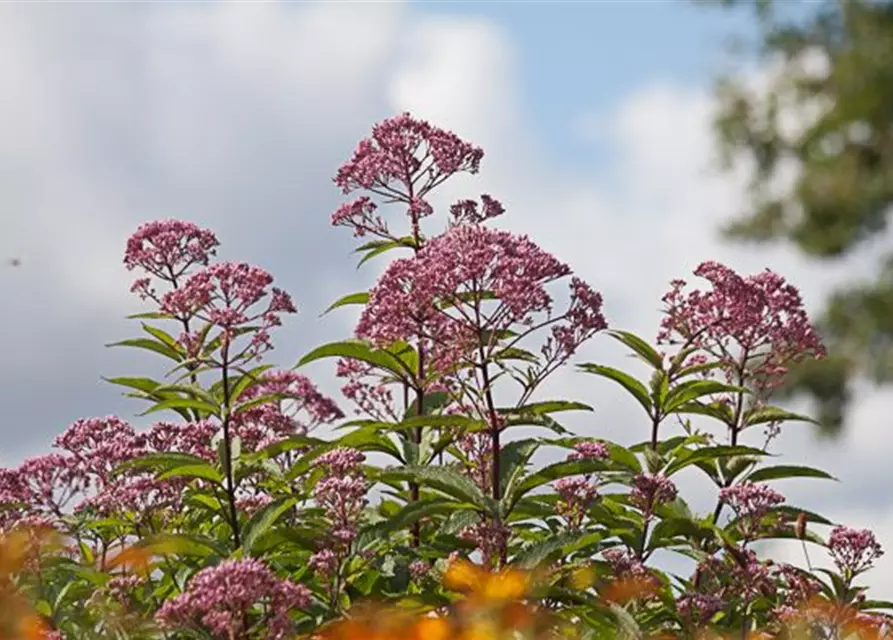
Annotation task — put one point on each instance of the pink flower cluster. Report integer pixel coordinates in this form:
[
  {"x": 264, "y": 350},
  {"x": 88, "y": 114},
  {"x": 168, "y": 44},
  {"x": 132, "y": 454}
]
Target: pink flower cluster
[
  {"x": 799, "y": 586},
  {"x": 578, "y": 493},
  {"x": 651, "y": 490},
  {"x": 341, "y": 492},
  {"x": 365, "y": 390},
  {"x": 259, "y": 425},
  {"x": 439, "y": 294},
  {"x": 167, "y": 249},
  {"x": 478, "y": 449},
  {"x": 575, "y": 497},
  {"x": 751, "y": 502},
  {"x": 737, "y": 575},
  {"x": 697, "y": 608},
  {"x": 81, "y": 475},
  {"x": 589, "y": 451},
  {"x": 223, "y": 296},
  {"x": 406, "y": 157},
  {"x": 489, "y": 536},
  {"x": 188, "y": 437},
  {"x": 853, "y": 550},
  {"x": 468, "y": 212},
  {"x": 624, "y": 564},
  {"x": 756, "y": 322},
  {"x": 220, "y": 599}
]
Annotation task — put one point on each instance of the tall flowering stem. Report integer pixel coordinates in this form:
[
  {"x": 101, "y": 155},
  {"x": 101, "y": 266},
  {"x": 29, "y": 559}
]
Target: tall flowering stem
[
  {"x": 403, "y": 161},
  {"x": 224, "y": 297}
]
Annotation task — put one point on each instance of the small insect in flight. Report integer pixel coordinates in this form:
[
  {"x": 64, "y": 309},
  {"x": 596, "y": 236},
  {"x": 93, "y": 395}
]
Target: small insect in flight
[{"x": 14, "y": 262}]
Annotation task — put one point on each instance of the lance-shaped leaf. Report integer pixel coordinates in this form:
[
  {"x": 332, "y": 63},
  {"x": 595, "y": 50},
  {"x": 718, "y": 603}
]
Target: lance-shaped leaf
[
  {"x": 780, "y": 472},
  {"x": 534, "y": 554},
  {"x": 161, "y": 461},
  {"x": 548, "y": 474},
  {"x": 513, "y": 461},
  {"x": 262, "y": 520},
  {"x": 446, "y": 481},
  {"x": 243, "y": 382},
  {"x": 687, "y": 458},
  {"x": 415, "y": 511},
  {"x": 775, "y": 414},
  {"x": 203, "y": 407},
  {"x": 358, "y": 350},
  {"x": 146, "y": 385},
  {"x": 149, "y": 344},
  {"x": 361, "y": 297},
  {"x": 641, "y": 348},
  {"x": 378, "y": 247},
  {"x": 628, "y": 382},
  {"x": 691, "y": 390},
  {"x": 202, "y": 471}
]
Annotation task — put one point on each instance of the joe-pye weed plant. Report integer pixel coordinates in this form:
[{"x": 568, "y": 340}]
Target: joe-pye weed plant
[{"x": 232, "y": 518}]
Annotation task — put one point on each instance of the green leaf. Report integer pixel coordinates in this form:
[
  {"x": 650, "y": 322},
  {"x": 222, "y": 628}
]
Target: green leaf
[
  {"x": 623, "y": 456},
  {"x": 263, "y": 519},
  {"x": 548, "y": 474},
  {"x": 787, "y": 471},
  {"x": 358, "y": 350},
  {"x": 715, "y": 410},
  {"x": 415, "y": 511},
  {"x": 183, "y": 403},
  {"x": 160, "y": 335},
  {"x": 548, "y": 406},
  {"x": 447, "y": 481},
  {"x": 431, "y": 402},
  {"x": 633, "y": 386},
  {"x": 512, "y": 461},
  {"x": 792, "y": 512},
  {"x": 639, "y": 346},
  {"x": 689, "y": 391},
  {"x": 159, "y": 462},
  {"x": 381, "y": 247},
  {"x": 361, "y": 297},
  {"x": 532, "y": 555},
  {"x": 414, "y": 422},
  {"x": 711, "y": 453},
  {"x": 146, "y": 385},
  {"x": 627, "y": 627},
  {"x": 203, "y": 471},
  {"x": 246, "y": 380},
  {"x": 149, "y": 345},
  {"x": 776, "y": 414},
  {"x": 182, "y": 544}
]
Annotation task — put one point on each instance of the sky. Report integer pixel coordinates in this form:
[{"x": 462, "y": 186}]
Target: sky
[{"x": 595, "y": 118}]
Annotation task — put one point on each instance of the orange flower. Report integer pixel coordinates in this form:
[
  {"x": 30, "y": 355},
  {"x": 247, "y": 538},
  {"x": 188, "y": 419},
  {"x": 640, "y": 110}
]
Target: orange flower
[
  {"x": 430, "y": 629},
  {"x": 32, "y": 627},
  {"x": 136, "y": 557},
  {"x": 622, "y": 590},
  {"x": 480, "y": 584}
]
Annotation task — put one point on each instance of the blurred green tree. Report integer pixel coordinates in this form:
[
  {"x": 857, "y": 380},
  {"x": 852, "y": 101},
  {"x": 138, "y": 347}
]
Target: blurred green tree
[{"x": 818, "y": 143}]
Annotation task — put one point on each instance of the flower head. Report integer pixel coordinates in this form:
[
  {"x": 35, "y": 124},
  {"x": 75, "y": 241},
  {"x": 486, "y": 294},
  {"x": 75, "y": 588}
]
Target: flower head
[
  {"x": 853, "y": 550},
  {"x": 167, "y": 249},
  {"x": 751, "y": 502},
  {"x": 433, "y": 293},
  {"x": 220, "y": 598},
  {"x": 403, "y": 149},
  {"x": 650, "y": 490},
  {"x": 754, "y": 321},
  {"x": 224, "y": 295}
]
